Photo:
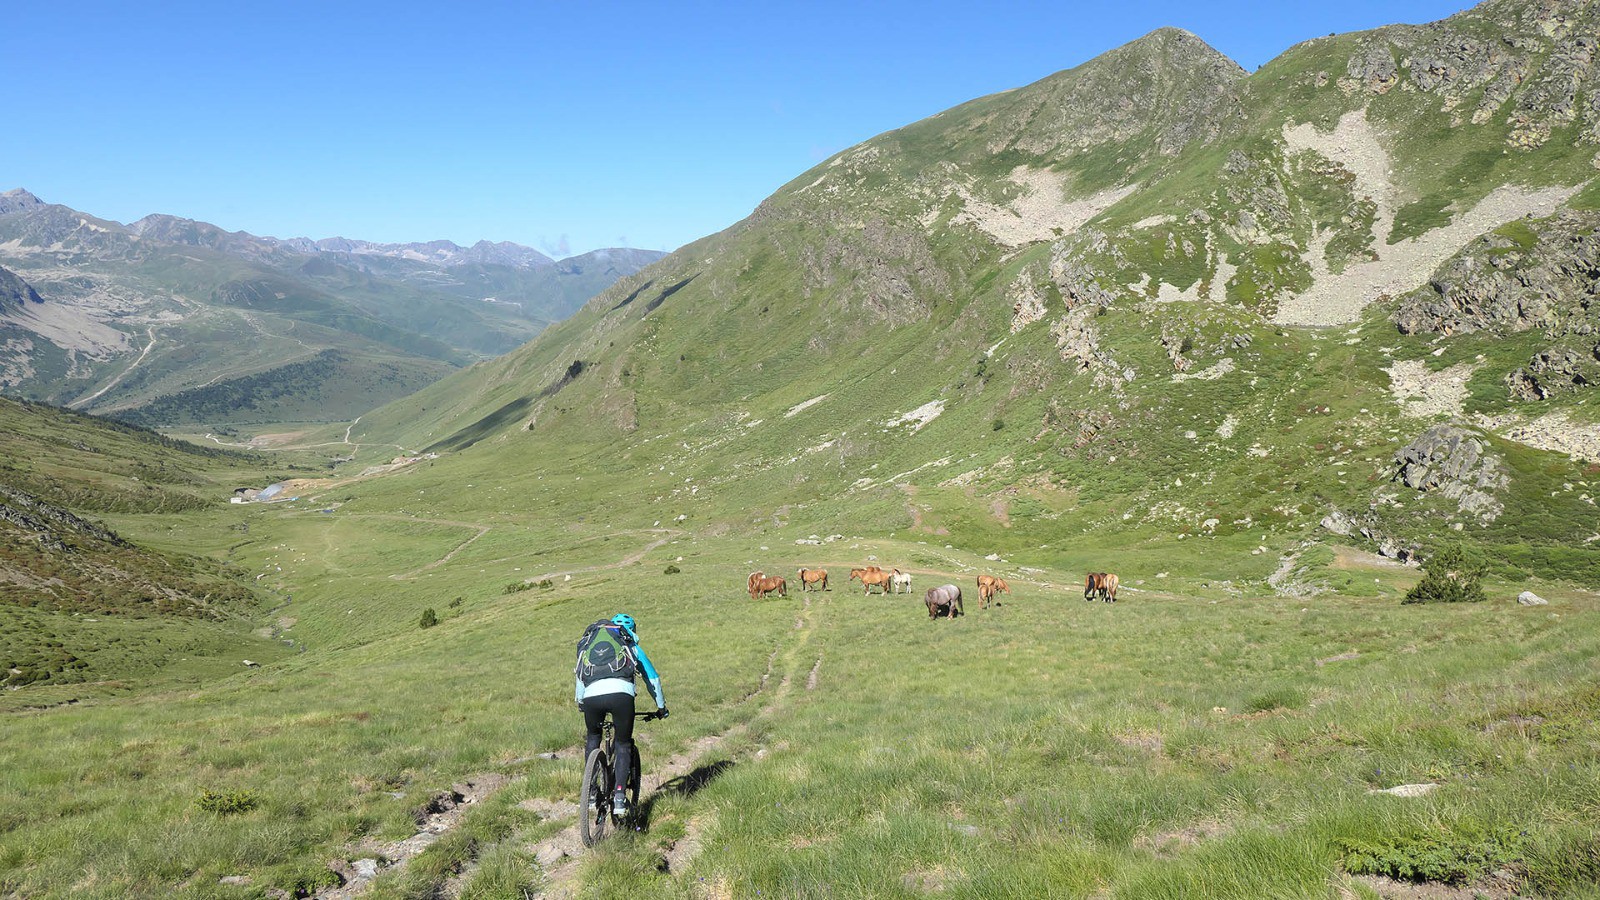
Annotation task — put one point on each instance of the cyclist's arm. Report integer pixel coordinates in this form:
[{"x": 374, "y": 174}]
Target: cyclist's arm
[{"x": 651, "y": 677}]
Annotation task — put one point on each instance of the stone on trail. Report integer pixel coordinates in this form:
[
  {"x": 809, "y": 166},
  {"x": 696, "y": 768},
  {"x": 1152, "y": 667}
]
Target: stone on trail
[
  {"x": 1405, "y": 790},
  {"x": 1529, "y": 598}
]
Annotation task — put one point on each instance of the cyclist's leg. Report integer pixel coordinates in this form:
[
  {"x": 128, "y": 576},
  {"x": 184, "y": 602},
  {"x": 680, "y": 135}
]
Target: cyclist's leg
[
  {"x": 594, "y": 713},
  {"x": 622, "y": 715}
]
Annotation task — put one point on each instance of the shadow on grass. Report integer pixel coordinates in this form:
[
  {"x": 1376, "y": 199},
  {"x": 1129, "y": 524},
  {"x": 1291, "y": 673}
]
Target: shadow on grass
[{"x": 683, "y": 786}]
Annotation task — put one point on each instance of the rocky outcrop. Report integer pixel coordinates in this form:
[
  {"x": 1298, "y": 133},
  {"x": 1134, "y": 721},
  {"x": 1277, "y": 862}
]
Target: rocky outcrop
[
  {"x": 1553, "y": 372},
  {"x": 1455, "y": 463},
  {"x": 15, "y": 294},
  {"x": 1536, "y": 76},
  {"x": 1542, "y": 274},
  {"x": 50, "y": 522}
]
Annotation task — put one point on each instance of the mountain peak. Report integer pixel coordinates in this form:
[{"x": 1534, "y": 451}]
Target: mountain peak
[{"x": 18, "y": 200}]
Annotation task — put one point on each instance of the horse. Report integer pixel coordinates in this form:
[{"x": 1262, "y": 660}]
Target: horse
[
  {"x": 988, "y": 586},
  {"x": 1102, "y": 583},
  {"x": 809, "y": 577},
  {"x": 943, "y": 600},
  {"x": 767, "y": 585},
  {"x": 750, "y": 584},
  {"x": 870, "y": 577},
  {"x": 900, "y": 582}
]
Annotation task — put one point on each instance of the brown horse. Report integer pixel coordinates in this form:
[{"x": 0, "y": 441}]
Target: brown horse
[
  {"x": 769, "y": 584},
  {"x": 871, "y": 577},
  {"x": 988, "y": 586},
  {"x": 1102, "y": 583},
  {"x": 943, "y": 601},
  {"x": 750, "y": 584},
  {"x": 809, "y": 577}
]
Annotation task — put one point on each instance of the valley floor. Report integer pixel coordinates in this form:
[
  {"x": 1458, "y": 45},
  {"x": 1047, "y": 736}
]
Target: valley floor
[{"x": 1199, "y": 738}]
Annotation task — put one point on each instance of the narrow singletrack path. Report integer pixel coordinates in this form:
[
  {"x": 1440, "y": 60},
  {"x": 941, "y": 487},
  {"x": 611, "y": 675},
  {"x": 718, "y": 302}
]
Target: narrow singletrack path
[{"x": 561, "y": 855}]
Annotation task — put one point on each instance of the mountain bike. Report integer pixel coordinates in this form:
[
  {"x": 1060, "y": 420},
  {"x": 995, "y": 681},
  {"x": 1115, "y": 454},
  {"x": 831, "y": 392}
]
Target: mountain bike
[{"x": 599, "y": 778}]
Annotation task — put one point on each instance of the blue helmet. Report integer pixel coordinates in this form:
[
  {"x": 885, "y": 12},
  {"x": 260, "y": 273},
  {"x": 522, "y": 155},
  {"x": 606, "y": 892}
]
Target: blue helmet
[{"x": 623, "y": 619}]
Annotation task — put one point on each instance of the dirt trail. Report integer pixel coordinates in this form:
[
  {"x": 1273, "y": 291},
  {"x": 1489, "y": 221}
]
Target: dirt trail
[
  {"x": 630, "y": 559},
  {"x": 562, "y": 854},
  {"x": 85, "y": 401}
]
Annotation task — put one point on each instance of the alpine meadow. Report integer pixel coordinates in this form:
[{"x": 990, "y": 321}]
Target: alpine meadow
[{"x": 1307, "y": 357}]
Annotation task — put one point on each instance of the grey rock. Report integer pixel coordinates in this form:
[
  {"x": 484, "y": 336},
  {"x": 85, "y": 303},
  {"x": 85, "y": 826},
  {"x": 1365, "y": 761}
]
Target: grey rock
[
  {"x": 234, "y": 879},
  {"x": 1406, "y": 790},
  {"x": 1529, "y": 598},
  {"x": 1453, "y": 462},
  {"x": 365, "y": 869}
]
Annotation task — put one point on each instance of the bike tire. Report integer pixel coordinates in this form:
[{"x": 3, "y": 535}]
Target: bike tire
[
  {"x": 635, "y": 779},
  {"x": 597, "y": 788}
]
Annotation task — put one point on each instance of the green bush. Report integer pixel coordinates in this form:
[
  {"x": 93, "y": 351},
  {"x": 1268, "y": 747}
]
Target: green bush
[
  {"x": 517, "y": 586},
  {"x": 547, "y": 584},
  {"x": 671, "y": 570},
  {"x": 1449, "y": 576},
  {"x": 226, "y": 803},
  {"x": 429, "y": 618},
  {"x": 456, "y": 603},
  {"x": 999, "y": 424},
  {"x": 1455, "y": 856}
]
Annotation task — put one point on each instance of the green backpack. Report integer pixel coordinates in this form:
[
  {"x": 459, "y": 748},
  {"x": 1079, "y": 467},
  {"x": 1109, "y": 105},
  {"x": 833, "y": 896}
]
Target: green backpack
[{"x": 605, "y": 651}]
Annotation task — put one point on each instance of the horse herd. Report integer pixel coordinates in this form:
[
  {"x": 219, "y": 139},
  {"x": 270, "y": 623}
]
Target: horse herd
[{"x": 944, "y": 600}]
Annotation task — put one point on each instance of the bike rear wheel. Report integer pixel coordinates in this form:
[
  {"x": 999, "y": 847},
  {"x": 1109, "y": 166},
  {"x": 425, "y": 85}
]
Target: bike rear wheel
[
  {"x": 635, "y": 778},
  {"x": 596, "y": 793}
]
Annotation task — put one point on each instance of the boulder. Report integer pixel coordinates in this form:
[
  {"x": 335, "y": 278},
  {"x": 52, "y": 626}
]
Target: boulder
[{"x": 1529, "y": 598}]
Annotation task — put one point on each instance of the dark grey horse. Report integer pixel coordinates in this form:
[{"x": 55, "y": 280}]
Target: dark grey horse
[{"x": 944, "y": 600}]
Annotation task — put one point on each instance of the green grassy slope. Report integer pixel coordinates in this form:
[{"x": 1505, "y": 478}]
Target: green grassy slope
[
  {"x": 743, "y": 405},
  {"x": 85, "y": 610}
]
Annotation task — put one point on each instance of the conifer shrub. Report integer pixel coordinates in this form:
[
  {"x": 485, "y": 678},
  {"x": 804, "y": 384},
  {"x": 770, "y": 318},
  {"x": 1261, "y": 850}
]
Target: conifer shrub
[
  {"x": 671, "y": 570},
  {"x": 1450, "y": 576},
  {"x": 429, "y": 618}
]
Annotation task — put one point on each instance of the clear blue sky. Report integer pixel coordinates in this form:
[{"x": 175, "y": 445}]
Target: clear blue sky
[{"x": 640, "y": 124}]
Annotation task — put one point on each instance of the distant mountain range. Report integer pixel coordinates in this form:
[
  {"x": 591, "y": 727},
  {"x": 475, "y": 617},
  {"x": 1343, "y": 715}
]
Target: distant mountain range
[{"x": 109, "y": 317}]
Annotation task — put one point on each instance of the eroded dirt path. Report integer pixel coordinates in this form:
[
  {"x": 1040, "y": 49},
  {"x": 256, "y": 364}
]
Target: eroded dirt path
[{"x": 562, "y": 854}]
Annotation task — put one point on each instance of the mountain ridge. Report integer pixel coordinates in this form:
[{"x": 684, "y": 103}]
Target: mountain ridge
[
  {"x": 1031, "y": 262},
  {"x": 264, "y": 308}
]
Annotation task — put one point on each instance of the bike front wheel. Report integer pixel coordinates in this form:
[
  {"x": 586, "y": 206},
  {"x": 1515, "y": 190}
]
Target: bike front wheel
[{"x": 594, "y": 800}]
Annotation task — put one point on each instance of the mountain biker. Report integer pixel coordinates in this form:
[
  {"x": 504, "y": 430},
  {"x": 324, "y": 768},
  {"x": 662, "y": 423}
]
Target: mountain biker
[{"x": 609, "y": 659}]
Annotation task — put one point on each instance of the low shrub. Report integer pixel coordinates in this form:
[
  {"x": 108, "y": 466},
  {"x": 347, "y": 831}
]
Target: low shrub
[
  {"x": 671, "y": 570},
  {"x": 429, "y": 618},
  {"x": 1454, "y": 856},
  {"x": 227, "y": 803}
]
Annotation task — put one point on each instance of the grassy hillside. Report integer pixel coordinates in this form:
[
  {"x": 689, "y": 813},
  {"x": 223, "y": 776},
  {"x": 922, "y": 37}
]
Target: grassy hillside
[
  {"x": 84, "y": 609},
  {"x": 1229, "y": 336}
]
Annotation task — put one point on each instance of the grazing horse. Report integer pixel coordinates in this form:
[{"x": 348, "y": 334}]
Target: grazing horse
[
  {"x": 1102, "y": 583},
  {"x": 900, "y": 582},
  {"x": 871, "y": 577},
  {"x": 750, "y": 584},
  {"x": 809, "y": 577},
  {"x": 944, "y": 600},
  {"x": 877, "y": 578},
  {"x": 988, "y": 586},
  {"x": 768, "y": 585}
]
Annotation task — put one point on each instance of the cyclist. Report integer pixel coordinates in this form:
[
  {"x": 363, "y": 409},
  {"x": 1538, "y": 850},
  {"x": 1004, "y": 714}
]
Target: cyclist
[{"x": 609, "y": 659}]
